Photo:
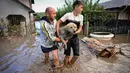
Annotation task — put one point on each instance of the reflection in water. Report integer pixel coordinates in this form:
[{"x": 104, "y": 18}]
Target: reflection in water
[{"x": 21, "y": 58}]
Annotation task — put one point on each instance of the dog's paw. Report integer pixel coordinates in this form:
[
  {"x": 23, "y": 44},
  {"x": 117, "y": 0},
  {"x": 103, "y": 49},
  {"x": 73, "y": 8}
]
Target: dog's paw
[
  {"x": 65, "y": 47},
  {"x": 64, "y": 42}
]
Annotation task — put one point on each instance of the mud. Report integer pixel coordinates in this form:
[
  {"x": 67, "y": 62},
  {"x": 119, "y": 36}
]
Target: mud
[{"x": 28, "y": 58}]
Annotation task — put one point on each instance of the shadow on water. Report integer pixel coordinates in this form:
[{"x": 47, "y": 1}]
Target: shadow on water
[{"x": 20, "y": 58}]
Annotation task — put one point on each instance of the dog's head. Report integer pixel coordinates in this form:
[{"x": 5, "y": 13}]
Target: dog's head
[{"x": 72, "y": 27}]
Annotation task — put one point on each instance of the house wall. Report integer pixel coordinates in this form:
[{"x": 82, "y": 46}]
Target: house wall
[
  {"x": 26, "y": 2},
  {"x": 123, "y": 16},
  {"x": 13, "y": 8}
]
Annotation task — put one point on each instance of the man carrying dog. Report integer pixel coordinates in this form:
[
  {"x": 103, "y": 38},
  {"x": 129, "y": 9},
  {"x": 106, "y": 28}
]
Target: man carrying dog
[
  {"x": 77, "y": 18},
  {"x": 48, "y": 37}
]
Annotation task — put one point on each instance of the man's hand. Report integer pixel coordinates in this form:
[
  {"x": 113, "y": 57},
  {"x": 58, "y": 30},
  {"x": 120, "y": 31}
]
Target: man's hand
[
  {"x": 79, "y": 30},
  {"x": 66, "y": 41},
  {"x": 76, "y": 32},
  {"x": 58, "y": 39}
]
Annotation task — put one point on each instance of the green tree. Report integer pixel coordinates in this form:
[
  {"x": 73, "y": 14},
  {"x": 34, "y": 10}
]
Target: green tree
[
  {"x": 39, "y": 15},
  {"x": 89, "y": 6}
]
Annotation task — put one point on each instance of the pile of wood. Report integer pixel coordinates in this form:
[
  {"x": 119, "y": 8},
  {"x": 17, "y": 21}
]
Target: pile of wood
[{"x": 103, "y": 50}]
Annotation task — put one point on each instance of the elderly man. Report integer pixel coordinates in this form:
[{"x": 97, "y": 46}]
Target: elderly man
[{"x": 48, "y": 37}]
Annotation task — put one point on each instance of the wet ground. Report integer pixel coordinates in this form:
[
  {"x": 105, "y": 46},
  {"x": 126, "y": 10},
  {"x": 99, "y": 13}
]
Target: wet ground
[
  {"x": 118, "y": 39},
  {"x": 23, "y": 55}
]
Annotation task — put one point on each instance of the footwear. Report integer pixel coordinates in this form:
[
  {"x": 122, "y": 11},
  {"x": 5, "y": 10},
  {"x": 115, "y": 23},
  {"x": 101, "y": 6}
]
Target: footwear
[
  {"x": 73, "y": 60},
  {"x": 66, "y": 60},
  {"x": 46, "y": 61}
]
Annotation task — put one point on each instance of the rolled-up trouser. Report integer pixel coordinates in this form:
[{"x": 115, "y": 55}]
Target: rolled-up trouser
[{"x": 74, "y": 43}]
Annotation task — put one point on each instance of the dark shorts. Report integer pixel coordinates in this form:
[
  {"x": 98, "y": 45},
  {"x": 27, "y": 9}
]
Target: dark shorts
[
  {"x": 74, "y": 43},
  {"x": 47, "y": 50}
]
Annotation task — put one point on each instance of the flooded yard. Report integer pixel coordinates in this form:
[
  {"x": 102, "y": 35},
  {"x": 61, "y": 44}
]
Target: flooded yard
[
  {"x": 23, "y": 55},
  {"x": 118, "y": 39}
]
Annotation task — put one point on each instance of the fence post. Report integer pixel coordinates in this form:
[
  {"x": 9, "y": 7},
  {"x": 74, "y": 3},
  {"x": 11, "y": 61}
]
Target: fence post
[
  {"x": 87, "y": 28},
  {"x": 117, "y": 15}
]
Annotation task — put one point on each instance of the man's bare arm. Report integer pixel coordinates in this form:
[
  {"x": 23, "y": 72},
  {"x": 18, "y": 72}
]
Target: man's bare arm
[{"x": 58, "y": 26}]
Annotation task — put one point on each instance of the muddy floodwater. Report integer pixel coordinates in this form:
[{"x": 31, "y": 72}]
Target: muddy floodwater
[
  {"x": 23, "y": 55},
  {"x": 118, "y": 39}
]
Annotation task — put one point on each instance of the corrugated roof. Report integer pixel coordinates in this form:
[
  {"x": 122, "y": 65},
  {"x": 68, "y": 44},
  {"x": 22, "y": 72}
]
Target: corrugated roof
[{"x": 115, "y": 4}]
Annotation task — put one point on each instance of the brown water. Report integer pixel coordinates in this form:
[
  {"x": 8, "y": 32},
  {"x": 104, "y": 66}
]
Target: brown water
[
  {"x": 18, "y": 58},
  {"x": 117, "y": 39},
  {"x": 121, "y": 39},
  {"x": 8, "y": 44}
]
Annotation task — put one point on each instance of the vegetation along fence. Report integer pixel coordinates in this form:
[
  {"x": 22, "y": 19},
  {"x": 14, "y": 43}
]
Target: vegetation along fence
[{"x": 107, "y": 22}]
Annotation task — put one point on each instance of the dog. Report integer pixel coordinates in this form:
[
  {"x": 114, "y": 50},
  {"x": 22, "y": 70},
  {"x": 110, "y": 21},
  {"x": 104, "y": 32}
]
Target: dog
[{"x": 66, "y": 32}]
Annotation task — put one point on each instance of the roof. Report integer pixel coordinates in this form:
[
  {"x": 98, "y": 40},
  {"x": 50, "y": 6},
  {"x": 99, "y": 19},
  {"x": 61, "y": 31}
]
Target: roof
[
  {"x": 32, "y": 1},
  {"x": 115, "y": 4},
  {"x": 30, "y": 10}
]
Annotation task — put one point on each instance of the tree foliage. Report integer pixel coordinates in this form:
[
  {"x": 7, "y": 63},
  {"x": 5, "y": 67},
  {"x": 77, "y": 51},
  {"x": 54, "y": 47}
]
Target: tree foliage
[
  {"x": 89, "y": 6},
  {"x": 39, "y": 15}
]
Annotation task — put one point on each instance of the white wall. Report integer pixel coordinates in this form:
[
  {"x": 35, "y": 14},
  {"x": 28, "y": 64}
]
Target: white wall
[{"x": 11, "y": 7}]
